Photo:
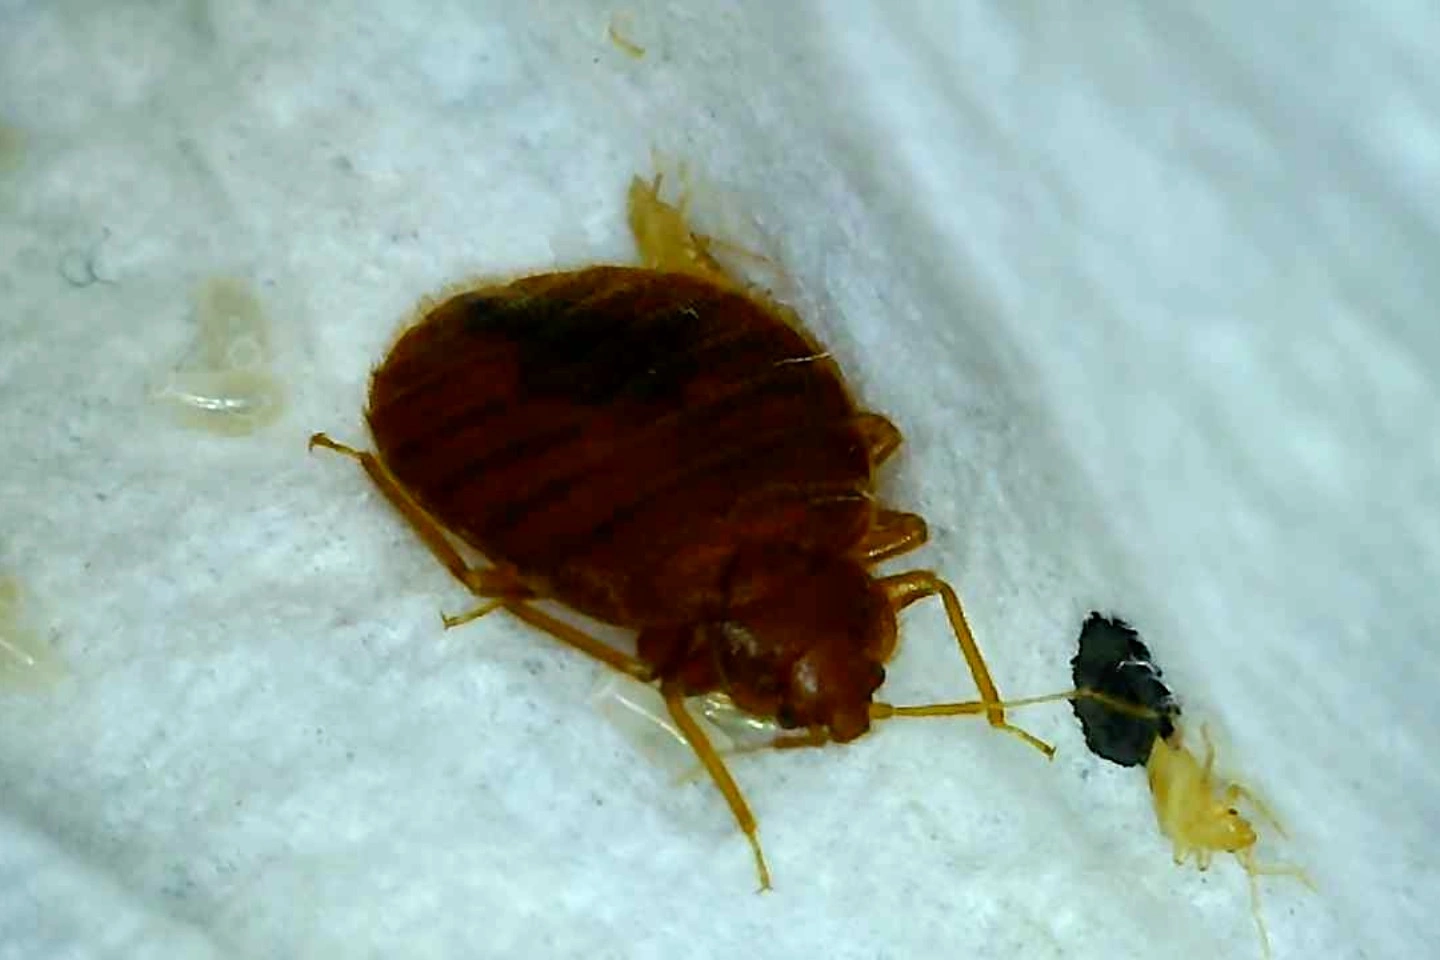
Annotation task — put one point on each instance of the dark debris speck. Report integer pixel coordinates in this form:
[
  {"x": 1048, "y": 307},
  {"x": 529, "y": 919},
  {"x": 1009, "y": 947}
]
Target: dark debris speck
[{"x": 1112, "y": 660}]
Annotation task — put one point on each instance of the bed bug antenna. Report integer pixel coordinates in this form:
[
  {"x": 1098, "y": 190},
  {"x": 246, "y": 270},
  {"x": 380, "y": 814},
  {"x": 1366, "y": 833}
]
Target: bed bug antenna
[{"x": 885, "y": 711}]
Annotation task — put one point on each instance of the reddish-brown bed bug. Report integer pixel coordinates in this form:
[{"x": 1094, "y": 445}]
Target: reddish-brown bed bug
[{"x": 661, "y": 447}]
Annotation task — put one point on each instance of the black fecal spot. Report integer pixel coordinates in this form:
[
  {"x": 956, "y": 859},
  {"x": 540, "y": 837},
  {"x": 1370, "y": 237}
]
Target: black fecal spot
[{"x": 1112, "y": 660}]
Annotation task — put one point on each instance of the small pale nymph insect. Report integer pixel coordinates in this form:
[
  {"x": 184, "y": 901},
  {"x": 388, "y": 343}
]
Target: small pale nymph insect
[
  {"x": 1130, "y": 717},
  {"x": 1200, "y": 814}
]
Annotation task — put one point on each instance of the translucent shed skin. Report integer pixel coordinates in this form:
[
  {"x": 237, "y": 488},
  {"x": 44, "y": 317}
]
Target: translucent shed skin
[{"x": 660, "y": 448}]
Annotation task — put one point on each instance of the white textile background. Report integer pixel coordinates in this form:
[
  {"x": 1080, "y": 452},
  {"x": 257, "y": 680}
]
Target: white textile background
[{"x": 1150, "y": 291}]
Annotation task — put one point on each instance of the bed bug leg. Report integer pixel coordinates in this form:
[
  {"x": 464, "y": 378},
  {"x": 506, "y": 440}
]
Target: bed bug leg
[
  {"x": 906, "y": 588},
  {"x": 819, "y": 737},
  {"x": 592, "y": 647},
  {"x": 452, "y": 621},
  {"x": 891, "y": 534},
  {"x": 715, "y": 766},
  {"x": 1234, "y": 793},
  {"x": 496, "y": 584},
  {"x": 1253, "y": 872},
  {"x": 894, "y": 533},
  {"x": 884, "y": 711},
  {"x": 482, "y": 583},
  {"x": 811, "y": 738},
  {"x": 882, "y": 437}
]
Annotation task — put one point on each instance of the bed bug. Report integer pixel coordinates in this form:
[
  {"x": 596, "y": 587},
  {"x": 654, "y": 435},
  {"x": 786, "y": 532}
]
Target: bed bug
[
  {"x": 664, "y": 448},
  {"x": 1199, "y": 813}
]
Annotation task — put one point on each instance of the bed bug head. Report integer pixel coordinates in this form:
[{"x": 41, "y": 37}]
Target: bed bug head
[
  {"x": 801, "y": 638},
  {"x": 1199, "y": 812},
  {"x": 1225, "y": 829},
  {"x": 806, "y": 638}
]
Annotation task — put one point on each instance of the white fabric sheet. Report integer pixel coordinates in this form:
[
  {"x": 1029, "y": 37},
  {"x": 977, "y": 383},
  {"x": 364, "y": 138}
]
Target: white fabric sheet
[{"x": 1150, "y": 291}]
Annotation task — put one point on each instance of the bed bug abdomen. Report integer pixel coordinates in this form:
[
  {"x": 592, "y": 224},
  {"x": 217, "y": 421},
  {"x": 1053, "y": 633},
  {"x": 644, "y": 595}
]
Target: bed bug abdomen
[{"x": 617, "y": 434}]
